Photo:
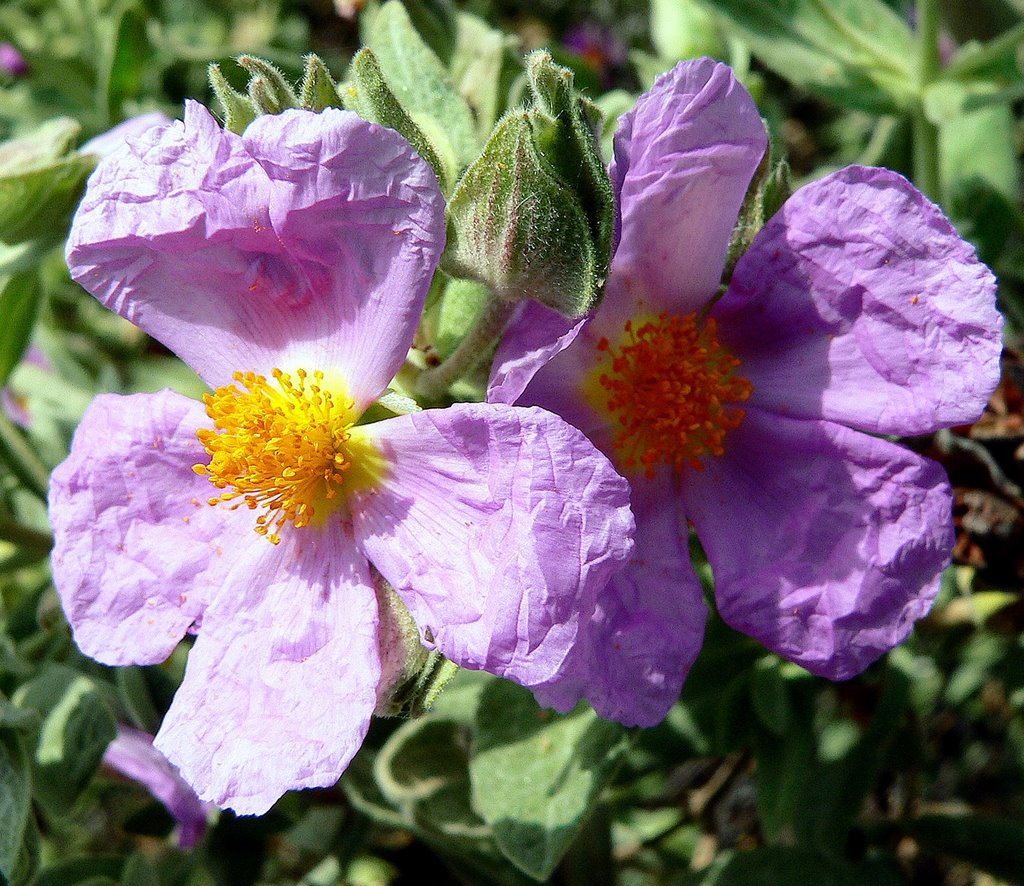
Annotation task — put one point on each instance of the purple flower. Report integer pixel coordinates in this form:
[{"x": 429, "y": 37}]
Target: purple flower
[
  {"x": 132, "y": 754},
  {"x": 12, "y": 62},
  {"x": 289, "y": 268},
  {"x": 856, "y": 312}
]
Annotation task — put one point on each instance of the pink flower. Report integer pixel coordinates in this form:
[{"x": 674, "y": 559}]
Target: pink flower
[
  {"x": 758, "y": 416},
  {"x": 289, "y": 267}
]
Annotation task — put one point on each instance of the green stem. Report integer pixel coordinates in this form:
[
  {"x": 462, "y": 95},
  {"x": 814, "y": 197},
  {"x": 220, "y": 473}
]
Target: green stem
[
  {"x": 433, "y": 383},
  {"x": 971, "y": 60},
  {"x": 925, "y": 133},
  {"x": 23, "y": 462}
]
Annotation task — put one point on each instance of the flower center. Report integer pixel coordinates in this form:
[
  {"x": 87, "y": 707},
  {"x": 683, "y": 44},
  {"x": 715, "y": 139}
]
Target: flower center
[
  {"x": 287, "y": 446},
  {"x": 669, "y": 386}
]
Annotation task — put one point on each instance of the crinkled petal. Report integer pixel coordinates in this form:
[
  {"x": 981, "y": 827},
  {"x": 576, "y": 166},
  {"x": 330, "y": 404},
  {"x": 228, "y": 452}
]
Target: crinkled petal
[
  {"x": 858, "y": 302},
  {"x": 684, "y": 157},
  {"x": 560, "y": 386},
  {"x": 107, "y": 142},
  {"x": 534, "y": 336},
  {"x": 132, "y": 754},
  {"x": 138, "y": 553},
  {"x": 308, "y": 242},
  {"x": 282, "y": 680},
  {"x": 826, "y": 543},
  {"x": 497, "y": 526},
  {"x": 647, "y": 628}
]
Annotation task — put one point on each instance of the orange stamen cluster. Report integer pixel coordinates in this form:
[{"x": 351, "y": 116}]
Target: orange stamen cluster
[
  {"x": 670, "y": 388},
  {"x": 279, "y": 446}
]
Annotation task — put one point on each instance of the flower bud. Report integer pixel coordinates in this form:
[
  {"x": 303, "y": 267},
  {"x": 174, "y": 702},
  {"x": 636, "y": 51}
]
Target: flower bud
[{"x": 532, "y": 217}]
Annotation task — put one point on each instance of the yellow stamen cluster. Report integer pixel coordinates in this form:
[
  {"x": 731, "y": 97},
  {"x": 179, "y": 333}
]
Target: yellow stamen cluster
[
  {"x": 279, "y": 445},
  {"x": 669, "y": 386}
]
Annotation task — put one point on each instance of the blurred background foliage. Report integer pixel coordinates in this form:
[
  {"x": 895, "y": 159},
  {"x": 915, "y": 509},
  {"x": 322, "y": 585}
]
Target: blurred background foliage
[{"x": 762, "y": 774}]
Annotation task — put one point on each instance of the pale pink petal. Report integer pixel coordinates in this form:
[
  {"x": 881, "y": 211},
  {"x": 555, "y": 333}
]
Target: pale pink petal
[
  {"x": 497, "y": 526},
  {"x": 138, "y": 553},
  {"x": 308, "y": 242},
  {"x": 858, "y": 302},
  {"x": 826, "y": 544},
  {"x": 684, "y": 158},
  {"x": 282, "y": 680},
  {"x": 648, "y": 625}
]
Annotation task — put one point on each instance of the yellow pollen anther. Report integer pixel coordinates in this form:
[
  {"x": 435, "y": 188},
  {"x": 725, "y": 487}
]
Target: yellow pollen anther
[
  {"x": 669, "y": 386},
  {"x": 283, "y": 446}
]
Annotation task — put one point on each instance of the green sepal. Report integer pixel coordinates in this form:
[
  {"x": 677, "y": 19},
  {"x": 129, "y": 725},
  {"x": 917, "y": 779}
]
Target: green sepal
[
  {"x": 518, "y": 228},
  {"x": 770, "y": 187},
  {"x": 417, "y": 694},
  {"x": 236, "y": 109},
  {"x": 369, "y": 95},
  {"x": 416, "y": 675},
  {"x": 269, "y": 90},
  {"x": 566, "y": 127},
  {"x": 318, "y": 89}
]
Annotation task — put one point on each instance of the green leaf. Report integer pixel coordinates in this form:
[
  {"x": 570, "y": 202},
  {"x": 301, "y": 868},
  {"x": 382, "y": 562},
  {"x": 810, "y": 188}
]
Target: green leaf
[
  {"x": 39, "y": 186},
  {"x": 134, "y": 693},
  {"x": 683, "y": 29},
  {"x": 369, "y": 95},
  {"x": 93, "y": 870},
  {"x": 980, "y": 145},
  {"x": 784, "y": 765},
  {"x": 536, "y": 776},
  {"x": 75, "y": 730},
  {"x": 19, "y": 304},
  {"x": 774, "y": 865},
  {"x": 995, "y": 845},
  {"x": 422, "y": 770},
  {"x": 130, "y": 56},
  {"x": 859, "y": 53},
  {"x": 484, "y": 67},
  {"x": 138, "y": 871},
  {"x": 769, "y": 695},
  {"x": 836, "y": 790},
  {"x": 420, "y": 82},
  {"x": 460, "y": 305},
  {"x": 15, "y": 801},
  {"x": 48, "y": 143},
  {"x": 983, "y": 216}
]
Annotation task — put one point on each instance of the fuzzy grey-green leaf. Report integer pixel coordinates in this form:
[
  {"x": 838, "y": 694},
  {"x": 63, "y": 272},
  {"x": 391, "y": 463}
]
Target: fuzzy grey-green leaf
[
  {"x": 419, "y": 80},
  {"x": 536, "y": 775}
]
